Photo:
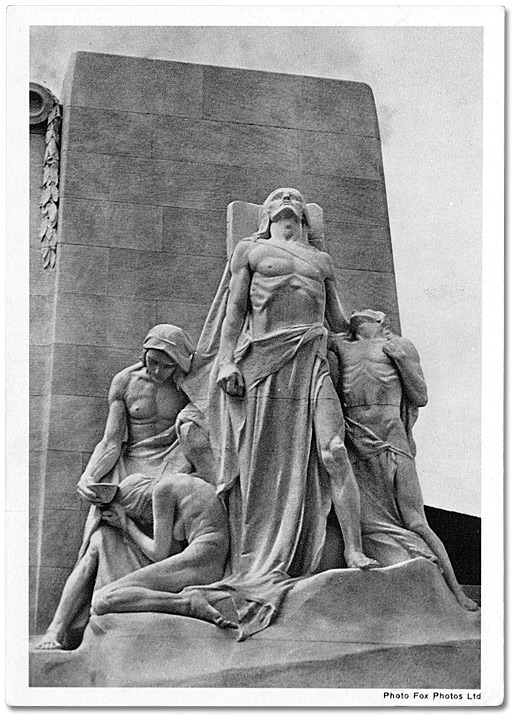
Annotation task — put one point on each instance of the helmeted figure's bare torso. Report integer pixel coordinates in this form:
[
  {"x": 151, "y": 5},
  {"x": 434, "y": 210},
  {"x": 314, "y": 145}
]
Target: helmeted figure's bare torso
[{"x": 151, "y": 407}]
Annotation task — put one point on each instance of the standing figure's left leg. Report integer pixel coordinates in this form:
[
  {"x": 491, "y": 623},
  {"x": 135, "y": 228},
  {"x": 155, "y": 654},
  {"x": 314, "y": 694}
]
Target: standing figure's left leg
[
  {"x": 330, "y": 434},
  {"x": 411, "y": 507}
]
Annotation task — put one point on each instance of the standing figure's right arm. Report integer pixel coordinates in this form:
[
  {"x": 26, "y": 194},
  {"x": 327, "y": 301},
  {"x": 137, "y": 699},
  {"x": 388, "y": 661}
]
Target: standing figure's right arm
[
  {"x": 230, "y": 378},
  {"x": 107, "y": 452}
]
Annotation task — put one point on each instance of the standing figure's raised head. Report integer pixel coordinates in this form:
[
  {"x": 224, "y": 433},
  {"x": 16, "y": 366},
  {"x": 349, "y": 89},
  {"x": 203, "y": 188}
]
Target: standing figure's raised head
[
  {"x": 166, "y": 349},
  {"x": 282, "y": 203}
]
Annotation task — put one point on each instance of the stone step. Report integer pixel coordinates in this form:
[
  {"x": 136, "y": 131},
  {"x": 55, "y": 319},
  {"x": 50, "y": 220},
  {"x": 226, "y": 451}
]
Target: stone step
[{"x": 393, "y": 627}]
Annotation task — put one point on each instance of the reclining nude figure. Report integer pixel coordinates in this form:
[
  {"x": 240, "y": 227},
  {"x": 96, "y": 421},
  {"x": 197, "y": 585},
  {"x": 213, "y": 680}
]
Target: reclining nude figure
[
  {"x": 165, "y": 529},
  {"x": 382, "y": 385}
]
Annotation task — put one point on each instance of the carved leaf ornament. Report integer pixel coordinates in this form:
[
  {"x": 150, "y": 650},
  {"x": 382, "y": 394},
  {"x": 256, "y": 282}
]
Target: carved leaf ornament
[{"x": 49, "y": 198}]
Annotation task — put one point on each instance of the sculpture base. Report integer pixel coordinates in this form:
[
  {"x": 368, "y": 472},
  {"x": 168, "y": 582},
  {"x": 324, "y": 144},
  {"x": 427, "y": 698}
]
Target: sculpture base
[{"x": 397, "y": 627}]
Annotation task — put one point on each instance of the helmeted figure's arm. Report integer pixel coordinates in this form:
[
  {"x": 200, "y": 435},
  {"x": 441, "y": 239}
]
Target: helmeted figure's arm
[
  {"x": 404, "y": 354},
  {"x": 107, "y": 452},
  {"x": 230, "y": 378}
]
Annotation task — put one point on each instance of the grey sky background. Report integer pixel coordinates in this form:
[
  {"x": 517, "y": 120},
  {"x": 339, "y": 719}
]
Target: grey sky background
[{"x": 427, "y": 83}]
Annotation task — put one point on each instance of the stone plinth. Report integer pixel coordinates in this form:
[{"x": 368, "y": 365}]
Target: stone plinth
[
  {"x": 397, "y": 627},
  {"x": 152, "y": 154}
]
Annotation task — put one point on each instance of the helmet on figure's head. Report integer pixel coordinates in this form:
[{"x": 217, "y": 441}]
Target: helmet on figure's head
[{"x": 173, "y": 341}]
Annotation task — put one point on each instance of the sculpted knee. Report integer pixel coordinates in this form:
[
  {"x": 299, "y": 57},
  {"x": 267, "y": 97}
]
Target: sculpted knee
[
  {"x": 334, "y": 454},
  {"x": 103, "y": 601}
]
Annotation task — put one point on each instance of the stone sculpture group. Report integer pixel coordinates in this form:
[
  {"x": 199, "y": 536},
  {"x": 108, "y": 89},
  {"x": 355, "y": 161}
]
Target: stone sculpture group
[{"x": 221, "y": 463}]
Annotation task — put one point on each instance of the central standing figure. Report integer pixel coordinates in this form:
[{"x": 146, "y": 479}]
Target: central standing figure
[{"x": 276, "y": 423}]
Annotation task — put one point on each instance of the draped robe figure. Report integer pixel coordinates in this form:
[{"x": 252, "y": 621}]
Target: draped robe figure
[{"x": 274, "y": 418}]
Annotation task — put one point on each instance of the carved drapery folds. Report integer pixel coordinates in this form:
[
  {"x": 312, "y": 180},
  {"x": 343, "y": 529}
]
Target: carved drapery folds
[{"x": 49, "y": 198}]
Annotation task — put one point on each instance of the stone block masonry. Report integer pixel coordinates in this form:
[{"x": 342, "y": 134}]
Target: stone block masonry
[{"x": 152, "y": 153}]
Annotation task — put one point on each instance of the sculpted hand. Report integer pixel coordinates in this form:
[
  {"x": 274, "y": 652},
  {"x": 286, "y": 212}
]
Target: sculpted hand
[
  {"x": 230, "y": 379},
  {"x": 394, "y": 349},
  {"x": 85, "y": 492},
  {"x": 115, "y": 515}
]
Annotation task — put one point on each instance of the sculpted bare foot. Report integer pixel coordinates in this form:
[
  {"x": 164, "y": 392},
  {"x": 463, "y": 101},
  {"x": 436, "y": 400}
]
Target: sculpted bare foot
[
  {"x": 200, "y": 608},
  {"x": 466, "y": 602},
  {"x": 358, "y": 560},
  {"x": 49, "y": 641}
]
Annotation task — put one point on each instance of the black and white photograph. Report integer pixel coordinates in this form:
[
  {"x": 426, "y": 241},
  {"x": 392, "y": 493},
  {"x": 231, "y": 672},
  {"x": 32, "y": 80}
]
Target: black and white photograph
[{"x": 254, "y": 429}]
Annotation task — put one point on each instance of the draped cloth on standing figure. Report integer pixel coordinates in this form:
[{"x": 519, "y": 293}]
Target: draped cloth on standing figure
[
  {"x": 276, "y": 491},
  {"x": 376, "y": 463}
]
